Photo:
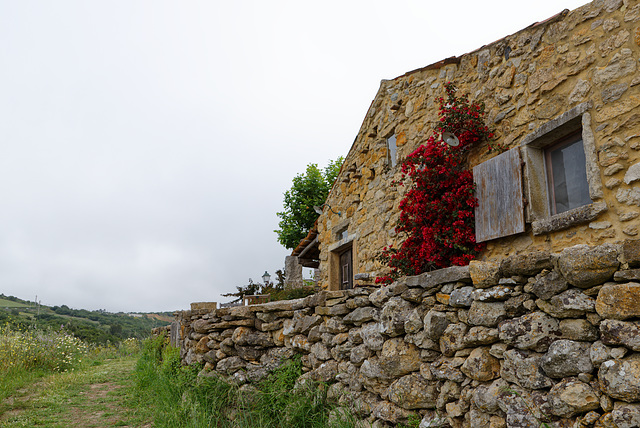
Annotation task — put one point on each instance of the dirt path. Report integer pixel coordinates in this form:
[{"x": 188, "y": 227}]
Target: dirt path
[{"x": 98, "y": 396}]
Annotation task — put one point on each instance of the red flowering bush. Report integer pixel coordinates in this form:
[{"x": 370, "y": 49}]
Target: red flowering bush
[{"x": 437, "y": 212}]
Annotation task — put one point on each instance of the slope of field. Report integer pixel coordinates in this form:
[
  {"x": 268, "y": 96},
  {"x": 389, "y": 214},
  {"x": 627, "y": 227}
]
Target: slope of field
[{"x": 4, "y": 303}]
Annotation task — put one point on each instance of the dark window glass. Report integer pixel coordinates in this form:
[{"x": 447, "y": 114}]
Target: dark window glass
[{"x": 567, "y": 175}]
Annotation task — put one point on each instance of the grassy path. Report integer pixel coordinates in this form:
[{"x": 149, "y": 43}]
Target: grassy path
[{"x": 95, "y": 396}]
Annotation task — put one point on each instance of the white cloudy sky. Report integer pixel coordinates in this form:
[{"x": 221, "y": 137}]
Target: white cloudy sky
[{"x": 145, "y": 144}]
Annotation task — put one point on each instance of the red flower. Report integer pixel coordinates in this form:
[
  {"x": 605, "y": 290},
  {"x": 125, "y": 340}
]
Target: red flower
[{"x": 437, "y": 212}]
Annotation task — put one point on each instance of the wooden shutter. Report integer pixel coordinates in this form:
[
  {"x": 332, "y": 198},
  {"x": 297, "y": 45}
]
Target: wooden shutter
[{"x": 499, "y": 191}]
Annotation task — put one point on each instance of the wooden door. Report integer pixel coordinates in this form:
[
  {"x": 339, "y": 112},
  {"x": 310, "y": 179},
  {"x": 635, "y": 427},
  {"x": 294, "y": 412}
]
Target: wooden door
[{"x": 346, "y": 270}]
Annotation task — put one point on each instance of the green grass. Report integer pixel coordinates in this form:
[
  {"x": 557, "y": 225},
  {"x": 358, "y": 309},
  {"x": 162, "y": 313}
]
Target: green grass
[
  {"x": 121, "y": 386},
  {"x": 177, "y": 397},
  {"x": 96, "y": 396},
  {"x": 4, "y": 303},
  {"x": 51, "y": 379}
]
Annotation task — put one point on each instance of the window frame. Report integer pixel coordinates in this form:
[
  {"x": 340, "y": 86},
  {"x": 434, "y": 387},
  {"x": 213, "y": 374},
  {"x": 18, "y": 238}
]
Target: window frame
[
  {"x": 533, "y": 146},
  {"x": 343, "y": 241}
]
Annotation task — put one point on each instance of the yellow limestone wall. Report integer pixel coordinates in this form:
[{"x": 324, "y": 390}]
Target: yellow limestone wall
[{"x": 586, "y": 55}]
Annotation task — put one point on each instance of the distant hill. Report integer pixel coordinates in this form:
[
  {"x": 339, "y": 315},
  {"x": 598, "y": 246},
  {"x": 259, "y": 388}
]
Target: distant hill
[
  {"x": 6, "y": 303},
  {"x": 100, "y": 327}
]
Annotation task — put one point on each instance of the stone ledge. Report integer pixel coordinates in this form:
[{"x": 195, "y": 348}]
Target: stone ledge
[
  {"x": 204, "y": 305},
  {"x": 569, "y": 218},
  {"x": 440, "y": 276}
]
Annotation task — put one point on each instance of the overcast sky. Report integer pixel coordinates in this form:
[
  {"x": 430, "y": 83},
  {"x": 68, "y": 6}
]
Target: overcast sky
[{"x": 145, "y": 145}]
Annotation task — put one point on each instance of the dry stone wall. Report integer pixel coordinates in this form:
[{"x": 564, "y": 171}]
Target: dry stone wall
[{"x": 540, "y": 337}]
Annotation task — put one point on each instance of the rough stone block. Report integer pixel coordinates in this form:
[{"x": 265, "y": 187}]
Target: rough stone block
[
  {"x": 626, "y": 415},
  {"x": 615, "y": 332},
  {"x": 413, "y": 392},
  {"x": 452, "y": 339},
  {"x": 620, "y": 379},
  {"x": 548, "y": 283},
  {"x": 438, "y": 277},
  {"x": 627, "y": 275},
  {"x": 461, "y": 297},
  {"x": 522, "y": 368},
  {"x": 481, "y": 366},
  {"x": 619, "y": 301},
  {"x": 526, "y": 264},
  {"x": 535, "y": 331},
  {"x": 488, "y": 314},
  {"x": 204, "y": 305},
  {"x": 584, "y": 266},
  {"x": 569, "y": 304},
  {"x": 484, "y": 274},
  {"x": 570, "y": 397},
  {"x": 399, "y": 358},
  {"x": 631, "y": 252},
  {"x": 566, "y": 358}
]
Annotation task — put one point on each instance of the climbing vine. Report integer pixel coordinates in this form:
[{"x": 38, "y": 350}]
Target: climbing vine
[{"x": 437, "y": 212}]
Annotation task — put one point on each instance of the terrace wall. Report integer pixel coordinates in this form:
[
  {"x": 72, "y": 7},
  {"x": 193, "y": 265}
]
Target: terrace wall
[{"x": 537, "y": 337}]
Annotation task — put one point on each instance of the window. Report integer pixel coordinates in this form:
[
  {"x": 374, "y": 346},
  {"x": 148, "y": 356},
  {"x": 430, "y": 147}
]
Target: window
[
  {"x": 392, "y": 150},
  {"x": 561, "y": 182},
  {"x": 562, "y": 178},
  {"x": 342, "y": 234},
  {"x": 566, "y": 174}
]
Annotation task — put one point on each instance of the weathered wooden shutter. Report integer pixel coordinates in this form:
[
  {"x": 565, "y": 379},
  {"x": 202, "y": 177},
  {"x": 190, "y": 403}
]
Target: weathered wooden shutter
[{"x": 499, "y": 191}]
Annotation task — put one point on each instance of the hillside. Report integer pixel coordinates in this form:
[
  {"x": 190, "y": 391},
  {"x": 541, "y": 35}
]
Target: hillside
[
  {"x": 100, "y": 327},
  {"x": 6, "y": 303}
]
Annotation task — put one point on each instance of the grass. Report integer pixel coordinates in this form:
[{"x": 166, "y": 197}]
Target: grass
[
  {"x": 97, "y": 396},
  {"x": 4, "y": 303},
  {"x": 48, "y": 378},
  {"x": 54, "y": 381},
  {"x": 177, "y": 396}
]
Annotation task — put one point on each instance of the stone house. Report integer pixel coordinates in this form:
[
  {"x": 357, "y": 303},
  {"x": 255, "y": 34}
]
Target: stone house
[
  {"x": 541, "y": 331},
  {"x": 562, "y": 95}
]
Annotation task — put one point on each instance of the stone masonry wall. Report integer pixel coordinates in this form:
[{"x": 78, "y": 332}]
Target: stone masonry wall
[
  {"x": 587, "y": 55},
  {"x": 551, "y": 337}
]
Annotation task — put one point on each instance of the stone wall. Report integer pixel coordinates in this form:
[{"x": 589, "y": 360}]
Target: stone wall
[
  {"x": 551, "y": 337},
  {"x": 527, "y": 80}
]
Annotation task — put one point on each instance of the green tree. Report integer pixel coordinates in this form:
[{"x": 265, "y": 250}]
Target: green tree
[{"x": 307, "y": 190}]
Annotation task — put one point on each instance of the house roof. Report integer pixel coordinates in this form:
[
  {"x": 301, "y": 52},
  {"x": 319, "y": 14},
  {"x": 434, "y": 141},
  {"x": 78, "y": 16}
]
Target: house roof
[{"x": 308, "y": 250}]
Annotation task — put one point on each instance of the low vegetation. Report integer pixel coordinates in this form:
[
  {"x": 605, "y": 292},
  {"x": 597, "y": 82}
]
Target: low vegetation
[
  {"x": 180, "y": 397},
  {"x": 52, "y": 378},
  {"x": 40, "y": 367}
]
